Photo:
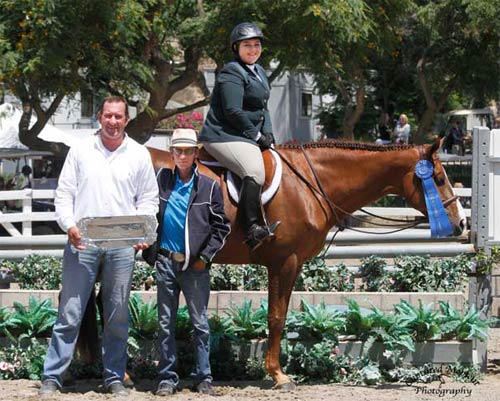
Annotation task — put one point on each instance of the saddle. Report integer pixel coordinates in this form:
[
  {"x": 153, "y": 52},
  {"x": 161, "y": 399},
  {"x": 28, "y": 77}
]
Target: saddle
[{"x": 272, "y": 165}]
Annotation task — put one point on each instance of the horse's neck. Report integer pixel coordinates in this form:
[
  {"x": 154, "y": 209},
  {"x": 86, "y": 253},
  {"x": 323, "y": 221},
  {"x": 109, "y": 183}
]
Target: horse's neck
[{"x": 353, "y": 179}]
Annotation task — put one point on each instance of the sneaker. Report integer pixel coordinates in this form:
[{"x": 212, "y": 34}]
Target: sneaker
[
  {"x": 118, "y": 389},
  {"x": 165, "y": 389},
  {"x": 48, "y": 387},
  {"x": 205, "y": 387}
]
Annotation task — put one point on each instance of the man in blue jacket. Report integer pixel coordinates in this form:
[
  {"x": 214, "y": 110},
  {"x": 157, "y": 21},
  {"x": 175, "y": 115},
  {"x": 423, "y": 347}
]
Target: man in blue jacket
[{"x": 192, "y": 229}]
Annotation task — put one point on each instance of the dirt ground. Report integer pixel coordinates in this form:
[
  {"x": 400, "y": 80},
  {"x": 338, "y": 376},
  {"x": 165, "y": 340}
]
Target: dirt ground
[{"x": 488, "y": 389}]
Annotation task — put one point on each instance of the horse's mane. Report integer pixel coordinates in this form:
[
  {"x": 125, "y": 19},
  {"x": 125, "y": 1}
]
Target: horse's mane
[{"x": 341, "y": 144}]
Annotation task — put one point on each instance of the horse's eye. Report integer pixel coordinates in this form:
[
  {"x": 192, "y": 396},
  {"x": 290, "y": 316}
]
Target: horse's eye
[{"x": 439, "y": 179}]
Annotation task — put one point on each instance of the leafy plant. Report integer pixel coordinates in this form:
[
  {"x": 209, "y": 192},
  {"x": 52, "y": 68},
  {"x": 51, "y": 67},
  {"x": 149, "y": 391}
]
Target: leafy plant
[
  {"x": 357, "y": 322},
  {"x": 422, "y": 320},
  {"x": 6, "y": 323},
  {"x": 393, "y": 332},
  {"x": 315, "y": 276},
  {"x": 221, "y": 330},
  {"x": 226, "y": 277},
  {"x": 184, "y": 328},
  {"x": 248, "y": 324},
  {"x": 417, "y": 273},
  {"x": 144, "y": 276},
  {"x": 143, "y": 318},
  {"x": 485, "y": 262},
  {"x": 35, "y": 321},
  {"x": 316, "y": 322},
  {"x": 255, "y": 278},
  {"x": 22, "y": 361},
  {"x": 463, "y": 326},
  {"x": 38, "y": 273},
  {"x": 374, "y": 276},
  {"x": 342, "y": 279},
  {"x": 320, "y": 362},
  {"x": 464, "y": 373}
]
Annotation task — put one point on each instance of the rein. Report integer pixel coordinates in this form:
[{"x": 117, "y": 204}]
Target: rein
[{"x": 333, "y": 207}]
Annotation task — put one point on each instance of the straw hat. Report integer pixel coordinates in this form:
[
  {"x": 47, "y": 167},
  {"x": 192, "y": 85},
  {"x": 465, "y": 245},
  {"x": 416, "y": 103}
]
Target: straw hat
[{"x": 184, "y": 138}]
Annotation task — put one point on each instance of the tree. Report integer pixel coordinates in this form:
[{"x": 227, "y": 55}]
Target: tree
[
  {"x": 451, "y": 52},
  {"x": 42, "y": 55}
]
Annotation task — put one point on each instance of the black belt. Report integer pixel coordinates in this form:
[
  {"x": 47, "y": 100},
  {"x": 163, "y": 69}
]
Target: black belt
[{"x": 175, "y": 256}]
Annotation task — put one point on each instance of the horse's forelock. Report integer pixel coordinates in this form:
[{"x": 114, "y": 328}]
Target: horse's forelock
[{"x": 340, "y": 144}]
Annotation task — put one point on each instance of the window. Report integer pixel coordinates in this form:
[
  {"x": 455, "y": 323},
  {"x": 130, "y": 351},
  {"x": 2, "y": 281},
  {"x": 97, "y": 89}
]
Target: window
[{"x": 306, "y": 104}]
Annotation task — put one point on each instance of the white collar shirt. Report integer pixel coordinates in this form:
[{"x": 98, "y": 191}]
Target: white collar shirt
[{"x": 96, "y": 182}]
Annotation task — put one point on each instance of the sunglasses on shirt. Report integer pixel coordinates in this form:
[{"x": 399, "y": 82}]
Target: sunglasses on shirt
[{"x": 185, "y": 151}]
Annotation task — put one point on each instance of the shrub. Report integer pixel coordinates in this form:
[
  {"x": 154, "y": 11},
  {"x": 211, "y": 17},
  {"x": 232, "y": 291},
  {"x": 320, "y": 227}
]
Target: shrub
[
  {"x": 22, "y": 361},
  {"x": 248, "y": 324},
  {"x": 144, "y": 276},
  {"x": 143, "y": 318},
  {"x": 374, "y": 276},
  {"x": 225, "y": 277},
  {"x": 36, "y": 320},
  {"x": 38, "y": 273}
]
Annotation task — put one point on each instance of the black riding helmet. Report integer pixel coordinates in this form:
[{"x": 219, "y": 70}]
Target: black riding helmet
[{"x": 243, "y": 31}]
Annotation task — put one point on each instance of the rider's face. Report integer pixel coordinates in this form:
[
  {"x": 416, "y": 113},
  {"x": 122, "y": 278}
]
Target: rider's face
[{"x": 249, "y": 50}]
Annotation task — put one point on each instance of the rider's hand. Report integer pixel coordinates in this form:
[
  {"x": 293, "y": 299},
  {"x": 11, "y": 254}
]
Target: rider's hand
[{"x": 265, "y": 141}]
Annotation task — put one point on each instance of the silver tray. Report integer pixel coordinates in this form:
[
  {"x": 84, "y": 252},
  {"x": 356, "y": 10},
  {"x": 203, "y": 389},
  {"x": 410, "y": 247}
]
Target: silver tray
[{"x": 117, "y": 231}]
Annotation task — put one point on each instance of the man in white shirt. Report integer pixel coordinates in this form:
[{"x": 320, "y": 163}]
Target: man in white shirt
[{"x": 107, "y": 175}]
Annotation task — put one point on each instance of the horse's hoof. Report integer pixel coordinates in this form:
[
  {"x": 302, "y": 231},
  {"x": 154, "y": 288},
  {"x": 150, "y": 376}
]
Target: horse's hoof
[{"x": 286, "y": 386}]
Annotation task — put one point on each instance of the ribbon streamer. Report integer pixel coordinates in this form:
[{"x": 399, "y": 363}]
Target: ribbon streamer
[{"x": 438, "y": 219}]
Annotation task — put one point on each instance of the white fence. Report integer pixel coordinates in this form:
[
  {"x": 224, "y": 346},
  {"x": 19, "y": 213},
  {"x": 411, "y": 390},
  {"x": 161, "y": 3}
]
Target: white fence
[{"x": 21, "y": 241}]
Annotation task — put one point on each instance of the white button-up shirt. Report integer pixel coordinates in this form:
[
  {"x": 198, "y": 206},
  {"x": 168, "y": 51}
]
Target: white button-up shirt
[{"x": 96, "y": 182}]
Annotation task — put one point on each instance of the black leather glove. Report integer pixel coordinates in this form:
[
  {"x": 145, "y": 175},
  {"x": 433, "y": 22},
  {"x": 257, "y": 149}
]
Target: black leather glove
[{"x": 265, "y": 141}]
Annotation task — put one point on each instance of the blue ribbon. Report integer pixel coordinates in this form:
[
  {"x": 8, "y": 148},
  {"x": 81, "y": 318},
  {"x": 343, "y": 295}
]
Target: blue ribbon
[{"x": 438, "y": 219}]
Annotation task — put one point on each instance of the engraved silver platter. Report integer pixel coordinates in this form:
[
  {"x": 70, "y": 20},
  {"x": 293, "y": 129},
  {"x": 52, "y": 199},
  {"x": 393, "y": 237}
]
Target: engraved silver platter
[{"x": 117, "y": 231}]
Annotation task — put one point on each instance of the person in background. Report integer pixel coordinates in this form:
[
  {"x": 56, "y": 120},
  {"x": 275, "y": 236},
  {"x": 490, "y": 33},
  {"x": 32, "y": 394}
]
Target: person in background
[
  {"x": 108, "y": 174},
  {"x": 384, "y": 130},
  {"x": 456, "y": 139},
  {"x": 192, "y": 229},
  {"x": 402, "y": 131},
  {"x": 238, "y": 127}
]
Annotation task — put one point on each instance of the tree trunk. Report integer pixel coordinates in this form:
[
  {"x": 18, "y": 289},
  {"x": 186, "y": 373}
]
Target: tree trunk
[{"x": 433, "y": 105}]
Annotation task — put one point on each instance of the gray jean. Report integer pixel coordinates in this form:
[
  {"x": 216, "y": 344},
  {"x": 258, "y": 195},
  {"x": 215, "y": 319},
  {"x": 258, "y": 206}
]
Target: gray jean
[
  {"x": 242, "y": 158},
  {"x": 80, "y": 269}
]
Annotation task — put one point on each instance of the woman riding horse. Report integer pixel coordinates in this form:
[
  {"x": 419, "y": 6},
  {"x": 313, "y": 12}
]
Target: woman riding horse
[{"x": 238, "y": 124}]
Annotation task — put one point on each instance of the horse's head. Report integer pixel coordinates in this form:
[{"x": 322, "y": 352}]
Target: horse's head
[{"x": 414, "y": 191}]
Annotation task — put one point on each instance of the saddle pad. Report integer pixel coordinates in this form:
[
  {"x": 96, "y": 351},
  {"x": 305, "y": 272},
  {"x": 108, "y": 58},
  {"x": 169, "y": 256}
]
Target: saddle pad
[{"x": 273, "y": 167}]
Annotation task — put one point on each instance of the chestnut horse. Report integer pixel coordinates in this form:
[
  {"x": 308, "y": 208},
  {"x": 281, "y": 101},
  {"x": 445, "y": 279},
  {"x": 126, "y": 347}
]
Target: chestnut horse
[{"x": 322, "y": 183}]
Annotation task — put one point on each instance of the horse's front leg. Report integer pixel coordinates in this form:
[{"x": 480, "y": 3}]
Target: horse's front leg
[{"x": 281, "y": 281}]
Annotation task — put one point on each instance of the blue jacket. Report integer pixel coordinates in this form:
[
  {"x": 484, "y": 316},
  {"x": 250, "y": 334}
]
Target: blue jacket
[
  {"x": 207, "y": 226},
  {"x": 238, "y": 109}
]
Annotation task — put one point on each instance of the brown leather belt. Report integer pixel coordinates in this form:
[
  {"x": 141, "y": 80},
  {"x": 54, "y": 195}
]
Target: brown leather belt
[{"x": 175, "y": 256}]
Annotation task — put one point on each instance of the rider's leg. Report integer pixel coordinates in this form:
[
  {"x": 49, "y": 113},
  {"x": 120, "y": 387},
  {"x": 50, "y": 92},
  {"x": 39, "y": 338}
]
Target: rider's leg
[{"x": 245, "y": 160}]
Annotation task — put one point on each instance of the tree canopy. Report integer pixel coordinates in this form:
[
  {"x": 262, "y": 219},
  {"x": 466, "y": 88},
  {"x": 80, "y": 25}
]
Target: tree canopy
[{"x": 382, "y": 55}]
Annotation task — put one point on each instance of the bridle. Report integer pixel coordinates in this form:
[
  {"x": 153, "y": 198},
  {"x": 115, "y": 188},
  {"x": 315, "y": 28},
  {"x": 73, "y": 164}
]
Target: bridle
[
  {"x": 335, "y": 209},
  {"x": 447, "y": 202}
]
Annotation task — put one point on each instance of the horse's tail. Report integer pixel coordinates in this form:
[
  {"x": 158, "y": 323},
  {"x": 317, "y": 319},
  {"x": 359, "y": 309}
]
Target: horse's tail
[{"x": 88, "y": 340}]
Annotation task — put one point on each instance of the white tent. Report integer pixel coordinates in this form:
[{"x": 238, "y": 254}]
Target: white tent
[{"x": 9, "y": 130}]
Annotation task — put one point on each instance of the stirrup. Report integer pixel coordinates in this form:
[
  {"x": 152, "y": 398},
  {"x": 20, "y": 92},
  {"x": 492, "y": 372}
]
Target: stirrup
[{"x": 257, "y": 235}]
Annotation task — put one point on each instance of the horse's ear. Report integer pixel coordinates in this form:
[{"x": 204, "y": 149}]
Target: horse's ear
[{"x": 436, "y": 145}]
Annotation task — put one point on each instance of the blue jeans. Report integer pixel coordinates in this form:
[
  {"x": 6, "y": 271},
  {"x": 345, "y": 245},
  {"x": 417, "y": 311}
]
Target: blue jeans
[
  {"x": 195, "y": 285},
  {"x": 80, "y": 270}
]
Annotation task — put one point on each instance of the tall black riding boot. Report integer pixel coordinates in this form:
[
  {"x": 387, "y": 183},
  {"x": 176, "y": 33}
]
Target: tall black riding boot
[{"x": 252, "y": 213}]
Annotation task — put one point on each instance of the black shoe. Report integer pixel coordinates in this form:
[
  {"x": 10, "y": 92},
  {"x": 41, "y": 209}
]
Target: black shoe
[
  {"x": 205, "y": 387},
  {"x": 165, "y": 389},
  {"x": 257, "y": 235},
  {"x": 118, "y": 389},
  {"x": 48, "y": 387}
]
